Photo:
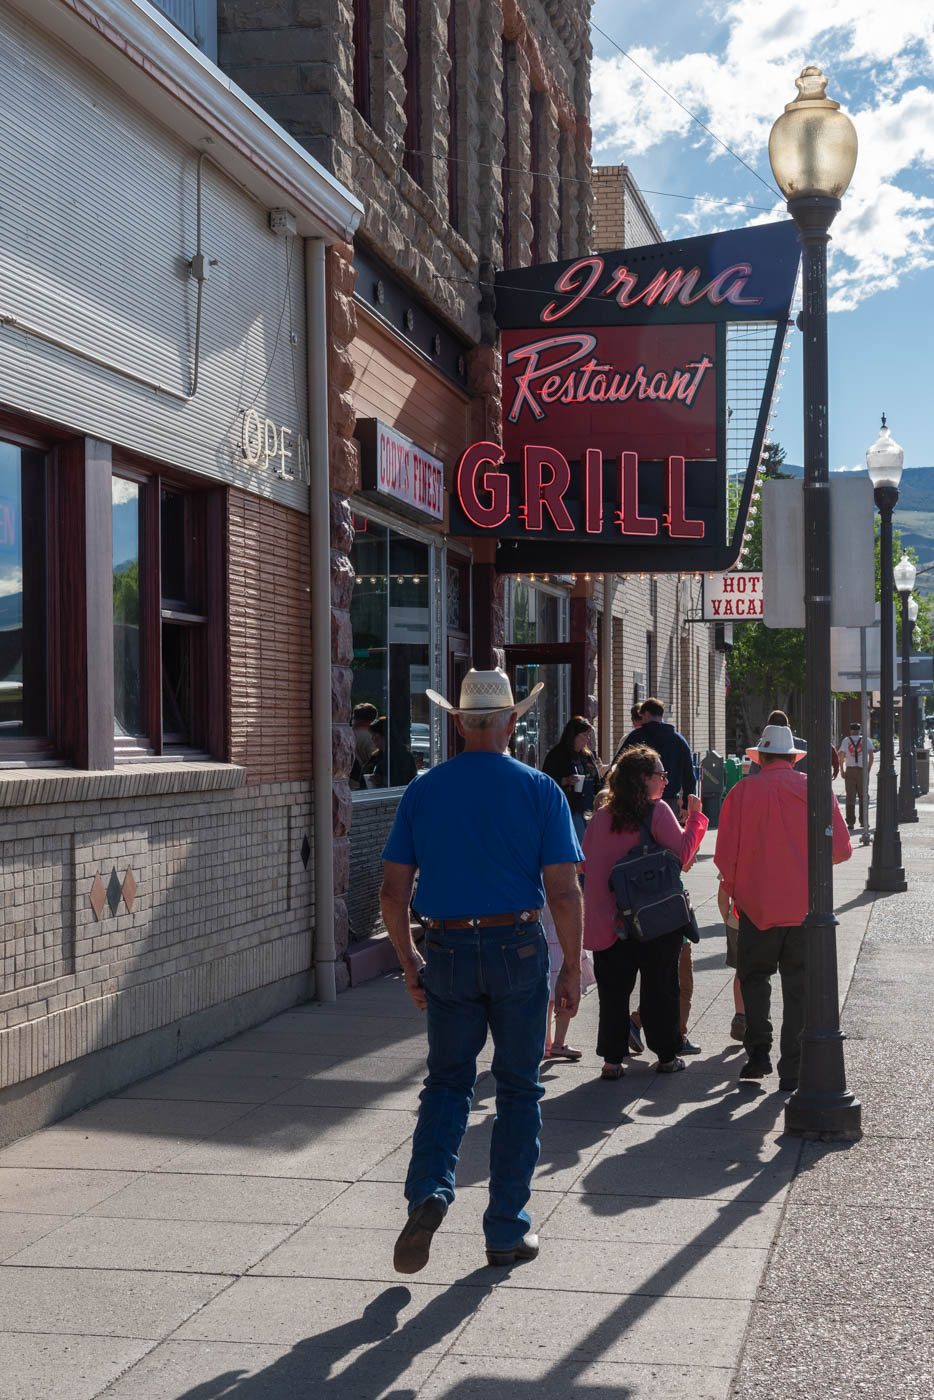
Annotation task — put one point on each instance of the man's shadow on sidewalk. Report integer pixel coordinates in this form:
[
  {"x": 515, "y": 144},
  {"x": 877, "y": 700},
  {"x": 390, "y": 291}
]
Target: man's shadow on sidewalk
[
  {"x": 671, "y": 1165},
  {"x": 308, "y": 1370}
]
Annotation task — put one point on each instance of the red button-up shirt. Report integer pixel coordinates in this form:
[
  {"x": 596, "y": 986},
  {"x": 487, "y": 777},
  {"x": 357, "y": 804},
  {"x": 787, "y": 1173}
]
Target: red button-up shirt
[{"x": 762, "y": 845}]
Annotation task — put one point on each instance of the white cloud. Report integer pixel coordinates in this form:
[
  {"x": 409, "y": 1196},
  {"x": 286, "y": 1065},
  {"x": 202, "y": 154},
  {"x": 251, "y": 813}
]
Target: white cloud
[
  {"x": 879, "y": 56},
  {"x": 124, "y": 492}
]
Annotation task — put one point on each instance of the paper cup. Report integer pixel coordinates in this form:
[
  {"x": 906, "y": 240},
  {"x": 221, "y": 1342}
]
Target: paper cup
[{"x": 578, "y": 783}]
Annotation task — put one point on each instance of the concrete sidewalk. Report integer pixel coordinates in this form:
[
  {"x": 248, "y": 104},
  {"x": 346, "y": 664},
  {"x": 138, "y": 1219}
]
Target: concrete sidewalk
[{"x": 226, "y": 1228}]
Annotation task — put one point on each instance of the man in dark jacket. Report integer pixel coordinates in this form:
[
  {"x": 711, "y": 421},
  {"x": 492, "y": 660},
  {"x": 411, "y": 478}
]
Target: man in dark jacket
[{"x": 672, "y": 748}]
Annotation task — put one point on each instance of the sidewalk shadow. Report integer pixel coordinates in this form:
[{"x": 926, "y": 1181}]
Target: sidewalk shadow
[
  {"x": 612, "y": 1184},
  {"x": 308, "y": 1370}
]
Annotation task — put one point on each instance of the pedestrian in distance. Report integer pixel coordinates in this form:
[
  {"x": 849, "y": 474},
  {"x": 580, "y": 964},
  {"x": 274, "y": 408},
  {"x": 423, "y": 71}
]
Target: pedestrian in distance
[
  {"x": 574, "y": 768},
  {"x": 489, "y": 838},
  {"x": 856, "y": 753},
  {"x": 636, "y": 784},
  {"x": 672, "y": 747},
  {"x": 678, "y": 762},
  {"x": 762, "y": 856}
]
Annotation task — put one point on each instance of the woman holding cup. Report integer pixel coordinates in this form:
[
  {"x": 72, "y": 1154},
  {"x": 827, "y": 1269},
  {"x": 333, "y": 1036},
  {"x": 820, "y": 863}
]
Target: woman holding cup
[{"x": 574, "y": 768}]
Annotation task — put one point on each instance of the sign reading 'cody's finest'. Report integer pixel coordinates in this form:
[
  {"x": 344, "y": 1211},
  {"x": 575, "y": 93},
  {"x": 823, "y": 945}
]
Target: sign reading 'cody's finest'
[{"x": 614, "y": 452}]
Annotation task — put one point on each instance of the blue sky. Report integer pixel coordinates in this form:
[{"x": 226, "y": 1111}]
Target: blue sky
[{"x": 733, "y": 64}]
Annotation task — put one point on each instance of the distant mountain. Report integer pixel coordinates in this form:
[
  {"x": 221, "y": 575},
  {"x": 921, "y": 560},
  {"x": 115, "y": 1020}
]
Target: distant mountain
[{"x": 913, "y": 518}]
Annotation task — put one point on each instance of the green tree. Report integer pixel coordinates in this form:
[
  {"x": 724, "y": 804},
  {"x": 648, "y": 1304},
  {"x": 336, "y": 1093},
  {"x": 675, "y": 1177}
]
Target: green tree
[{"x": 766, "y": 665}]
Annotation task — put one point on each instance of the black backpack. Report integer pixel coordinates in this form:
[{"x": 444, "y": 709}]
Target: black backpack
[{"x": 650, "y": 898}]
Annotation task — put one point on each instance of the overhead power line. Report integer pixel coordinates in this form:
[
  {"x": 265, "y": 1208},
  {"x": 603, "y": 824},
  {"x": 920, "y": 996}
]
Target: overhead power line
[{"x": 694, "y": 118}]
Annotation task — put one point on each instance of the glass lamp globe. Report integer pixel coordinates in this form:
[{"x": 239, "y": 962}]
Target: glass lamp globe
[
  {"x": 912, "y": 609},
  {"x": 905, "y": 574},
  {"x": 884, "y": 459},
  {"x": 812, "y": 146}
]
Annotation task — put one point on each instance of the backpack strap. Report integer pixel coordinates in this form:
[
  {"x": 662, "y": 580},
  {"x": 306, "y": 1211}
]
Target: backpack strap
[{"x": 645, "y": 834}]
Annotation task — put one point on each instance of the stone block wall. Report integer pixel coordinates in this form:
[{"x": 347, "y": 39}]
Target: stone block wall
[
  {"x": 135, "y": 899},
  {"x": 296, "y": 60}
]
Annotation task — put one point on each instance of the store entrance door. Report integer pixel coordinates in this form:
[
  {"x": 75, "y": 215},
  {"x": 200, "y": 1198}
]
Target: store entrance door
[{"x": 560, "y": 665}]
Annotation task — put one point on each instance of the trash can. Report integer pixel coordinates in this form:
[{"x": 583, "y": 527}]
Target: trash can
[
  {"x": 732, "y": 772},
  {"x": 712, "y": 766},
  {"x": 923, "y": 765}
]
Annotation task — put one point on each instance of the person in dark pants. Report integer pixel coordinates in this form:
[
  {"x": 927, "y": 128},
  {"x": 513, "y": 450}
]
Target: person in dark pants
[
  {"x": 636, "y": 785},
  {"x": 678, "y": 762},
  {"x": 762, "y": 856},
  {"x": 490, "y": 837}
]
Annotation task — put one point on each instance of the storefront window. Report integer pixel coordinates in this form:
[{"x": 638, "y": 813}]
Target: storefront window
[
  {"x": 126, "y": 552},
  {"x": 23, "y": 608},
  {"x": 163, "y": 693},
  {"x": 534, "y": 615},
  {"x": 390, "y": 615}
]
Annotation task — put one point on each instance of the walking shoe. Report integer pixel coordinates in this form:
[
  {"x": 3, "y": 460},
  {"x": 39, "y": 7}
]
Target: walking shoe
[
  {"x": 526, "y": 1249},
  {"x": 635, "y": 1039},
  {"x": 788, "y": 1083},
  {"x": 414, "y": 1242},
  {"x": 738, "y": 1027},
  {"x": 688, "y": 1047},
  {"x": 669, "y": 1066},
  {"x": 756, "y": 1067}
]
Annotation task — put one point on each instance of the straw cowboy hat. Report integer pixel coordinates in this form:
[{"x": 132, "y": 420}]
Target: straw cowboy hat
[
  {"x": 486, "y": 693},
  {"x": 778, "y": 741}
]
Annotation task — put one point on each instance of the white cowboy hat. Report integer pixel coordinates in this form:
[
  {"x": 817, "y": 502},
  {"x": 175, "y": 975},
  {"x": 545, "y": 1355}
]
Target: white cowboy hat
[
  {"x": 486, "y": 693},
  {"x": 777, "y": 740}
]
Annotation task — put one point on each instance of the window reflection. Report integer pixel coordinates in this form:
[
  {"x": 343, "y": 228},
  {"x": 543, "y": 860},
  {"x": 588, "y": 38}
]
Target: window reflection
[
  {"x": 126, "y": 599},
  {"x": 390, "y": 618},
  {"x": 23, "y": 622}
]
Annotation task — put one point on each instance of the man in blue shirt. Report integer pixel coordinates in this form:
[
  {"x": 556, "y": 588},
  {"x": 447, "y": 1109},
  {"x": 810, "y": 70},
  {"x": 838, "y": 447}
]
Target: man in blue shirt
[{"x": 490, "y": 839}]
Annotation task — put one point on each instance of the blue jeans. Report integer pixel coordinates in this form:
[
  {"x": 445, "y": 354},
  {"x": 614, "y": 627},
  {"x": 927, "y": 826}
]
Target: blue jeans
[{"x": 479, "y": 979}]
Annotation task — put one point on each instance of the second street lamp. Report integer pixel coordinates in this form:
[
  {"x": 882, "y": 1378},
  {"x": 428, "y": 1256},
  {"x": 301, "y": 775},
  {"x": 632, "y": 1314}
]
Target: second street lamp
[
  {"x": 812, "y": 150},
  {"x": 884, "y": 460},
  {"x": 905, "y": 574},
  {"x": 918, "y": 748}
]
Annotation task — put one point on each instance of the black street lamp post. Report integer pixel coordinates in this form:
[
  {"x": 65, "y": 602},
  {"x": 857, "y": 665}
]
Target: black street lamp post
[
  {"x": 884, "y": 460},
  {"x": 812, "y": 150},
  {"x": 905, "y": 574}
]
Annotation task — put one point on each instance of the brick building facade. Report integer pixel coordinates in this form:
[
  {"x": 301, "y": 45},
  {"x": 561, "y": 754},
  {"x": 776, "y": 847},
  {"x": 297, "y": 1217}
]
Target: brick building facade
[
  {"x": 157, "y": 818},
  {"x": 464, "y": 131}
]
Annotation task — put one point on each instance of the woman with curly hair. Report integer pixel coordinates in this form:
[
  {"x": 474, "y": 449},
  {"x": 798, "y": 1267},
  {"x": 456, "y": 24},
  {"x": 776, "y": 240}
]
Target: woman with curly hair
[{"x": 635, "y": 786}]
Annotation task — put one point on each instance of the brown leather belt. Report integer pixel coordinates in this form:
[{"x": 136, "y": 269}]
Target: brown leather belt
[{"x": 521, "y": 916}]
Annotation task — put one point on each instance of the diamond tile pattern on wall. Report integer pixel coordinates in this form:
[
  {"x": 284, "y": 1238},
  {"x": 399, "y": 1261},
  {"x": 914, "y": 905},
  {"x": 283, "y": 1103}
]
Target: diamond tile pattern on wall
[
  {"x": 98, "y": 896},
  {"x": 129, "y": 889},
  {"x": 114, "y": 891}
]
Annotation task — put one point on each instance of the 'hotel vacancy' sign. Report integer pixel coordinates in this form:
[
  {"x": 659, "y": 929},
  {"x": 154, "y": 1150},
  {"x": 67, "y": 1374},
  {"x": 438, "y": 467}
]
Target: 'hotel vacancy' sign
[{"x": 732, "y": 597}]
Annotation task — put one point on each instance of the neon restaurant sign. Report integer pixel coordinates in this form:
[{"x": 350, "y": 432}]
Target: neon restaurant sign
[{"x": 636, "y": 390}]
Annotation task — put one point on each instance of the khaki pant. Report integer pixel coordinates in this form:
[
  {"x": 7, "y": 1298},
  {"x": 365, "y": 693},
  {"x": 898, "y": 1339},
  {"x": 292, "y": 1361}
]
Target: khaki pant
[{"x": 685, "y": 985}]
